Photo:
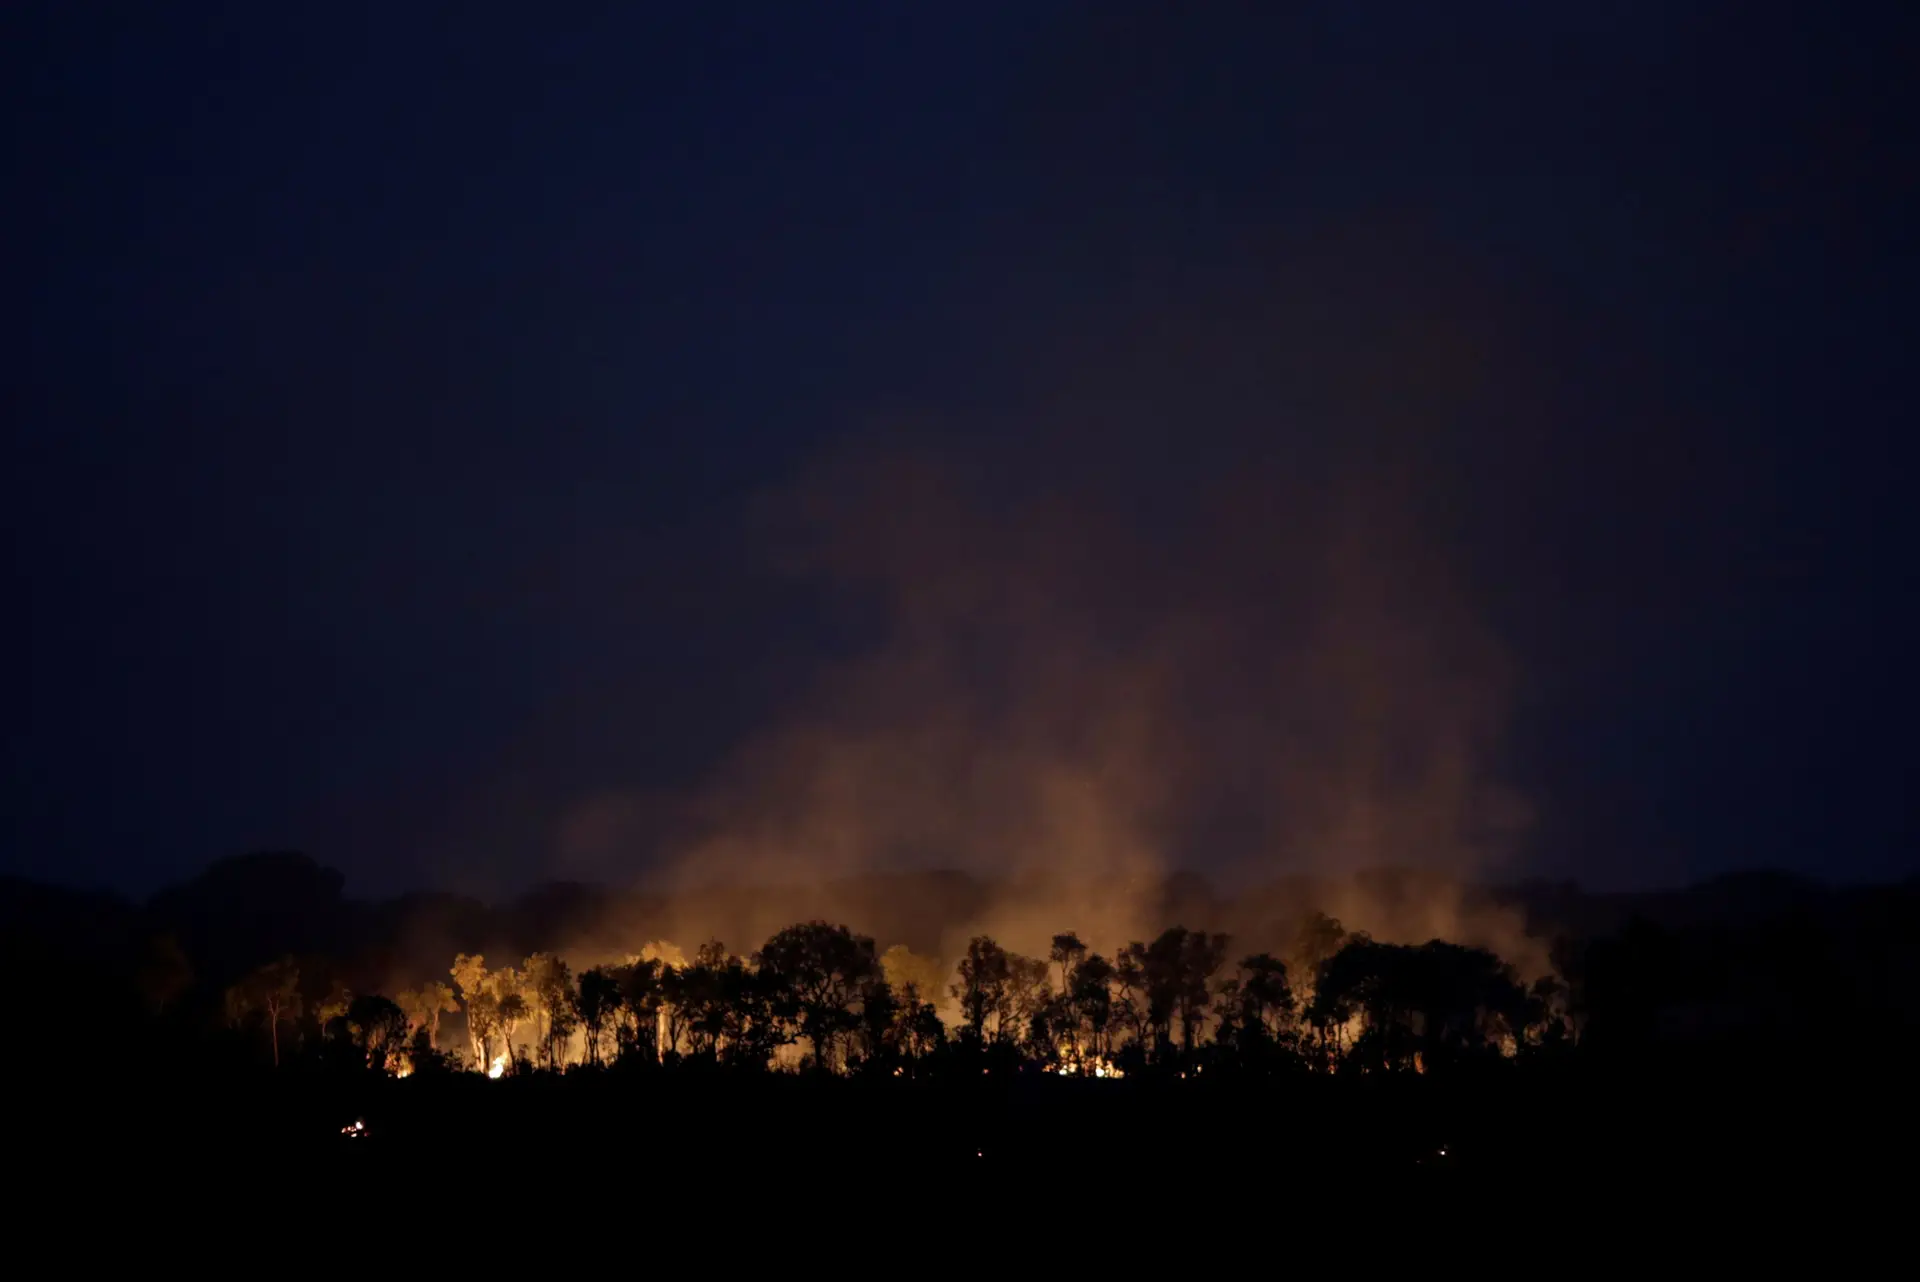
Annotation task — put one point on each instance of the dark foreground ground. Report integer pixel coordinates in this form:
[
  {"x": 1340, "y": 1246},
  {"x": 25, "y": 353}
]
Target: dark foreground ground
[{"x": 1692, "y": 1126}]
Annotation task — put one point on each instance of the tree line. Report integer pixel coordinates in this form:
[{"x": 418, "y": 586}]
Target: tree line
[{"x": 817, "y": 997}]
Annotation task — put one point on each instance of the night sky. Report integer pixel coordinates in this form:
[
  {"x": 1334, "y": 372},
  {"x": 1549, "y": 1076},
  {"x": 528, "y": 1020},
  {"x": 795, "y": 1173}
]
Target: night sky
[{"x": 402, "y": 402}]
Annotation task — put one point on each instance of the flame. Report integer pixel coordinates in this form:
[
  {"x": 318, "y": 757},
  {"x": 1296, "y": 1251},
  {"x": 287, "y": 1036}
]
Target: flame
[
  {"x": 1074, "y": 1064},
  {"x": 498, "y": 1067}
]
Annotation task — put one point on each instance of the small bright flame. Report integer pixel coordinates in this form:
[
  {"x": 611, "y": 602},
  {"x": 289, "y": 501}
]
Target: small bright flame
[{"x": 498, "y": 1067}]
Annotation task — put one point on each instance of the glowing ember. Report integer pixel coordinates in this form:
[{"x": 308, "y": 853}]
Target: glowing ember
[{"x": 498, "y": 1067}]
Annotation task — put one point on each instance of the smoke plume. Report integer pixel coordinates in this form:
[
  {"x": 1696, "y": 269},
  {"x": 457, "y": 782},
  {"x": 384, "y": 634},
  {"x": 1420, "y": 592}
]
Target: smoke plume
[{"x": 1203, "y": 610}]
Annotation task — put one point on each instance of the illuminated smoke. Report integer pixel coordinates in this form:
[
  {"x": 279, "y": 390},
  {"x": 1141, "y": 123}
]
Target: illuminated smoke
[{"x": 1168, "y": 619}]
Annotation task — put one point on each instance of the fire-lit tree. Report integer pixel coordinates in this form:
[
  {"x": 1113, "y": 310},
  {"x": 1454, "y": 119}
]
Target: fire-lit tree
[
  {"x": 424, "y": 1006},
  {"x": 475, "y": 993},
  {"x": 1374, "y": 1007},
  {"x": 330, "y": 1009},
  {"x": 510, "y": 1010},
  {"x": 271, "y": 994},
  {"x": 913, "y": 978},
  {"x": 548, "y": 989}
]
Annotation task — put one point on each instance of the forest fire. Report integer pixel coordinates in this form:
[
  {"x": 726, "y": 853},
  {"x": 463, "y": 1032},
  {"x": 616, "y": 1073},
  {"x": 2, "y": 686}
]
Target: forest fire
[{"x": 817, "y": 997}]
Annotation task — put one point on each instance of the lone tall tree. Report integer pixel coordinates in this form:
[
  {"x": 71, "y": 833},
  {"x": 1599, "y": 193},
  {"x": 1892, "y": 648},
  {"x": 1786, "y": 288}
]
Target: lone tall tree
[{"x": 272, "y": 993}]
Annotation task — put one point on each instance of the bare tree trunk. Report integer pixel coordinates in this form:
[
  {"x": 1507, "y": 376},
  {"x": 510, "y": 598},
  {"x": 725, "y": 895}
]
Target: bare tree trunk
[{"x": 273, "y": 1032}]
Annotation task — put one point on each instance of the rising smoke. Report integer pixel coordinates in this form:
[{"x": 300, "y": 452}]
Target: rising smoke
[{"x": 1203, "y": 611}]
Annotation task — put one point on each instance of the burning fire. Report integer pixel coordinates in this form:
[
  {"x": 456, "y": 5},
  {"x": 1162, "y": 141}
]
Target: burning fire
[
  {"x": 498, "y": 1067},
  {"x": 1074, "y": 1064}
]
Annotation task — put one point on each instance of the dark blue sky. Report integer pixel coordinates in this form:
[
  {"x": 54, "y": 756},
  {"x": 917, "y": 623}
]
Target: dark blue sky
[{"x": 390, "y": 385}]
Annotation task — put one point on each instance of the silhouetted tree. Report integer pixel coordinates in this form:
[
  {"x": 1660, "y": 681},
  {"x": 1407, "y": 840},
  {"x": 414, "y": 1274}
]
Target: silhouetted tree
[
  {"x": 379, "y": 1029},
  {"x": 1092, "y": 988},
  {"x": 1030, "y": 997},
  {"x": 1130, "y": 1006},
  {"x": 640, "y": 1002},
  {"x": 596, "y": 1002},
  {"x": 1156, "y": 976},
  {"x": 816, "y": 973},
  {"x": 701, "y": 998},
  {"x": 753, "y": 1029},
  {"x": 984, "y": 988},
  {"x": 1316, "y": 939},
  {"x": 675, "y": 1004},
  {"x": 1257, "y": 1007},
  {"x": 164, "y": 974},
  {"x": 1201, "y": 957},
  {"x": 881, "y": 1026},
  {"x": 1067, "y": 953}
]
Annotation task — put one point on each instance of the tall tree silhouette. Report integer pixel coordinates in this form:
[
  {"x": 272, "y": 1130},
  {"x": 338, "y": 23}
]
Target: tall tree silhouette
[
  {"x": 1092, "y": 989},
  {"x": 596, "y": 1002},
  {"x": 379, "y": 1029},
  {"x": 984, "y": 989},
  {"x": 641, "y": 997},
  {"x": 1201, "y": 957}
]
